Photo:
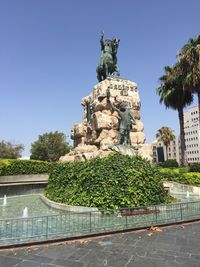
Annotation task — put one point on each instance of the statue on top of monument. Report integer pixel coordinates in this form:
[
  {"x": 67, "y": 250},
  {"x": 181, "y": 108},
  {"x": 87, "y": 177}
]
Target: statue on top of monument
[
  {"x": 108, "y": 59},
  {"x": 126, "y": 121}
]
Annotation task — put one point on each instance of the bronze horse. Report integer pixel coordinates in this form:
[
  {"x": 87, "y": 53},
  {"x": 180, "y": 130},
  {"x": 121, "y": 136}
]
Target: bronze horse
[{"x": 108, "y": 60}]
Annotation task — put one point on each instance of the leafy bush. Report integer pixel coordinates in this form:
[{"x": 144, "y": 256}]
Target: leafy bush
[
  {"x": 180, "y": 175},
  {"x": 17, "y": 167},
  {"x": 169, "y": 163},
  {"x": 115, "y": 181},
  {"x": 194, "y": 167}
]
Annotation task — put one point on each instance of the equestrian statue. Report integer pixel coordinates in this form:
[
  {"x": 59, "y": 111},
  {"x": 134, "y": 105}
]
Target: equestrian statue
[{"x": 108, "y": 59}]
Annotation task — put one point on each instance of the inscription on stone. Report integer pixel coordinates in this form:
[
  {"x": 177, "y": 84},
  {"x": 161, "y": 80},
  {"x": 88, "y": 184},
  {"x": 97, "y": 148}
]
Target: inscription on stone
[{"x": 124, "y": 92}]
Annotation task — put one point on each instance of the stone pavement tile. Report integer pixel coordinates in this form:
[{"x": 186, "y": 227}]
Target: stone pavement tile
[
  {"x": 166, "y": 254},
  {"x": 146, "y": 262},
  {"x": 6, "y": 261},
  {"x": 68, "y": 263},
  {"x": 115, "y": 238},
  {"x": 167, "y": 239},
  {"x": 135, "y": 235},
  {"x": 57, "y": 252},
  {"x": 95, "y": 256},
  {"x": 157, "y": 255},
  {"x": 118, "y": 259},
  {"x": 181, "y": 240},
  {"x": 137, "y": 251},
  {"x": 130, "y": 241},
  {"x": 92, "y": 264},
  {"x": 171, "y": 230},
  {"x": 183, "y": 260},
  {"x": 91, "y": 244},
  {"x": 196, "y": 257},
  {"x": 193, "y": 242},
  {"x": 191, "y": 250},
  {"x": 39, "y": 259},
  {"x": 165, "y": 246},
  {"x": 195, "y": 235},
  {"x": 78, "y": 254},
  {"x": 105, "y": 243},
  {"x": 145, "y": 241},
  {"x": 26, "y": 263},
  {"x": 21, "y": 252},
  {"x": 117, "y": 248},
  {"x": 186, "y": 263},
  {"x": 173, "y": 247},
  {"x": 48, "y": 265},
  {"x": 195, "y": 226}
]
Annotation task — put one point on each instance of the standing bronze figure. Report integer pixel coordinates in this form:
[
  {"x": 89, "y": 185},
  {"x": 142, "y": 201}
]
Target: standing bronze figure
[
  {"x": 126, "y": 121},
  {"x": 108, "y": 59}
]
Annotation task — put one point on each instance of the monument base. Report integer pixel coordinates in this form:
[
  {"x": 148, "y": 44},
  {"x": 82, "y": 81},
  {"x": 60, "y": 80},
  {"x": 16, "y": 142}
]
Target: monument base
[
  {"x": 98, "y": 133},
  {"x": 85, "y": 152}
]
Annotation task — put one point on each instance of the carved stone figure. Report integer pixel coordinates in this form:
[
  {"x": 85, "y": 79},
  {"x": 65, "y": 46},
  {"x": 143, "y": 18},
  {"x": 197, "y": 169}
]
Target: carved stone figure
[
  {"x": 126, "y": 121},
  {"x": 108, "y": 59}
]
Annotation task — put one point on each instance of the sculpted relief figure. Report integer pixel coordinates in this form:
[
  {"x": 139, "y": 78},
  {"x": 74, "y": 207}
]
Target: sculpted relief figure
[
  {"x": 126, "y": 121},
  {"x": 108, "y": 59}
]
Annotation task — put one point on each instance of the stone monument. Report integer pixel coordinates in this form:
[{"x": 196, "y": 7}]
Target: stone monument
[{"x": 111, "y": 114}]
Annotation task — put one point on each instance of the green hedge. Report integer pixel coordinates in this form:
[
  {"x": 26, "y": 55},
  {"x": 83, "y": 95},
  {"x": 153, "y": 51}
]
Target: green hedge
[
  {"x": 194, "y": 167},
  {"x": 169, "y": 163},
  {"x": 115, "y": 181},
  {"x": 17, "y": 167},
  {"x": 180, "y": 175}
]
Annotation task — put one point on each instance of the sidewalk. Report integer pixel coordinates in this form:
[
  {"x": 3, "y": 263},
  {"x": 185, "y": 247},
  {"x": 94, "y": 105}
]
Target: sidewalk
[{"x": 175, "y": 246}]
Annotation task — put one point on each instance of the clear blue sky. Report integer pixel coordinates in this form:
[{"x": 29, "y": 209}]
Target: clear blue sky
[{"x": 49, "y": 51}]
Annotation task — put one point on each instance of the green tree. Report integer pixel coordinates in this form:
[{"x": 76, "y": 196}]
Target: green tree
[
  {"x": 10, "y": 151},
  {"x": 49, "y": 147},
  {"x": 165, "y": 135},
  {"x": 189, "y": 58},
  {"x": 173, "y": 96}
]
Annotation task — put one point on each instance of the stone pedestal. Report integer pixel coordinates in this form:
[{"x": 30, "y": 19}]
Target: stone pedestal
[{"x": 98, "y": 131}]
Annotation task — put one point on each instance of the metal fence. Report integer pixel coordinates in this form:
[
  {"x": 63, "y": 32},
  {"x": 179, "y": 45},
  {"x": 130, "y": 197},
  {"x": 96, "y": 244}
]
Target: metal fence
[{"x": 18, "y": 230}]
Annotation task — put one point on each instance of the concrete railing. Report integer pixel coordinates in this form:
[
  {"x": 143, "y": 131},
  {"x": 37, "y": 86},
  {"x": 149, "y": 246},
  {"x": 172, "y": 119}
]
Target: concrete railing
[
  {"x": 24, "y": 179},
  {"x": 173, "y": 186},
  {"x": 65, "y": 207}
]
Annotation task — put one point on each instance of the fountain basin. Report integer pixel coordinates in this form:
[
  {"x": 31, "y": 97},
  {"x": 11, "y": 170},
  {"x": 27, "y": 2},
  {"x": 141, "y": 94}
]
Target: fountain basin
[{"x": 28, "y": 219}]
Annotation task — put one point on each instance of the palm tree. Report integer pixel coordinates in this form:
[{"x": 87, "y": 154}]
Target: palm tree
[
  {"x": 165, "y": 135},
  {"x": 189, "y": 58},
  {"x": 173, "y": 96}
]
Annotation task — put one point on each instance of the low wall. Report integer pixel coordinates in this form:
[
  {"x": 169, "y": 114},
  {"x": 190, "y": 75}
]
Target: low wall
[
  {"x": 22, "y": 184},
  {"x": 64, "y": 207},
  {"x": 24, "y": 179},
  {"x": 182, "y": 187},
  {"x": 25, "y": 189}
]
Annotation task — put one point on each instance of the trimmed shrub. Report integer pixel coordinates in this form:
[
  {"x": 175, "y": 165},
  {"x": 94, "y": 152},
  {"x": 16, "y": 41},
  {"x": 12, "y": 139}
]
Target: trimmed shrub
[
  {"x": 115, "y": 181},
  {"x": 169, "y": 163},
  {"x": 180, "y": 175},
  {"x": 17, "y": 167},
  {"x": 194, "y": 167}
]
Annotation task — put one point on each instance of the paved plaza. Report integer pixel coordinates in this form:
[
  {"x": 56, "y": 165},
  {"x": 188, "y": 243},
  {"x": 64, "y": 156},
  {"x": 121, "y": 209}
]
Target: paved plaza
[{"x": 174, "y": 246}]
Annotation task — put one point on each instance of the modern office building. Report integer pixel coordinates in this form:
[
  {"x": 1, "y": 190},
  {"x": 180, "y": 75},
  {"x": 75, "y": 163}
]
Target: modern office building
[
  {"x": 160, "y": 153},
  {"x": 192, "y": 141},
  {"x": 192, "y": 136}
]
